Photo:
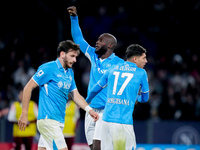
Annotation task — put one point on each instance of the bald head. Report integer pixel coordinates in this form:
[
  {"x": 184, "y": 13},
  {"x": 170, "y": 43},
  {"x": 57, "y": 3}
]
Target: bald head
[
  {"x": 105, "y": 45},
  {"x": 109, "y": 39}
]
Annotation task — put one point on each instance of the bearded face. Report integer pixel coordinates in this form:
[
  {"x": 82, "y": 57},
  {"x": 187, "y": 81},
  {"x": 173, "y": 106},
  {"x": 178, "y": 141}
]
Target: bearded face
[{"x": 101, "y": 46}]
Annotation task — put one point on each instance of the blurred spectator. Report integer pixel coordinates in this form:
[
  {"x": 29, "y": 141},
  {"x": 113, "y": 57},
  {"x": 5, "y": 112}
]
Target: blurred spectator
[
  {"x": 197, "y": 106},
  {"x": 3, "y": 105},
  {"x": 23, "y": 73},
  {"x": 71, "y": 118},
  {"x": 23, "y": 137},
  {"x": 154, "y": 101},
  {"x": 187, "y": 108}
]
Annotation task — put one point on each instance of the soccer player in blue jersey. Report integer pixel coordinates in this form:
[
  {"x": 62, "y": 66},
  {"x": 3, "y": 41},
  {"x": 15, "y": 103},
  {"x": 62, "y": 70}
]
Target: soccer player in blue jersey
[
  {"x": 55, "y": 80},
  {"x": 123, "y": 82},
  {"x": 101, "y": 58}
]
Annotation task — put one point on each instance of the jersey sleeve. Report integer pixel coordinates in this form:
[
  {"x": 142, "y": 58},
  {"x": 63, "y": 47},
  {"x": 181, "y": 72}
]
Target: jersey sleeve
[
  {"x": 77, "y": 34},
  {"x": 104, "y": 79},
  {"x": 144, "y": 83},
  {"x": 43, "y": 74},
  {"x": 78, "y": 38},
  {"x": 102, "y": 83},
  {"x": 143, "y": 97},
  {"x": 93, "y": 92},
  {"x": 144, "y": 89}
]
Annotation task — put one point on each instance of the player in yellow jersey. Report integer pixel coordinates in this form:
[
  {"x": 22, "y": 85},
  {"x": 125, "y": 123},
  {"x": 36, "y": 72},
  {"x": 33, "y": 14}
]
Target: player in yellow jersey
[
  {"x": 72, "y": 115},
  {"x": 23, "y": 137}
]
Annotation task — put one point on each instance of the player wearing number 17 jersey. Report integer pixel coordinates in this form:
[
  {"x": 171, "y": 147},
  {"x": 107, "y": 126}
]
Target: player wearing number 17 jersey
[{"x": 123, "y": 82}]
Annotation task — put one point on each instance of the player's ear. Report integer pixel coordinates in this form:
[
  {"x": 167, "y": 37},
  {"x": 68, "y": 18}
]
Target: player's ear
[
  {"x": 62, "y": 53},
  {"x": 134, "y": 59},
  {"x": 110, "y": 46}
]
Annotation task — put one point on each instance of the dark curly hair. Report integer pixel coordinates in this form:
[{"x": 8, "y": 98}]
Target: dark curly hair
[
  {"x": 134, "y": 50},
  {"x": 66, "y": 46}
]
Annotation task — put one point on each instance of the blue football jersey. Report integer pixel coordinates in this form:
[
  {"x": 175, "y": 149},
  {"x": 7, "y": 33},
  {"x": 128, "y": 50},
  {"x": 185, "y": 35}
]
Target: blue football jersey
[
  {"x": 123, "y": 83},
  {"x": 55, "y": 83},
  {"x": 98, "y": 67}
]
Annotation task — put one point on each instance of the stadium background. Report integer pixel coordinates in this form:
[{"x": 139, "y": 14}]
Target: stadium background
[{"x": 169, "y": 29}]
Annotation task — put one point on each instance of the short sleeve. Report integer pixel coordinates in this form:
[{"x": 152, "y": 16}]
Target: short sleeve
[
  {"x": 144, "y": 83},
  {"x": 43, "y": 74}
]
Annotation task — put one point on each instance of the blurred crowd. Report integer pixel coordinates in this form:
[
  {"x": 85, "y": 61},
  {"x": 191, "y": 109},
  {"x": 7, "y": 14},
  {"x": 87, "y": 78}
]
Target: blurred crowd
[{"x": 168, "y": 29}]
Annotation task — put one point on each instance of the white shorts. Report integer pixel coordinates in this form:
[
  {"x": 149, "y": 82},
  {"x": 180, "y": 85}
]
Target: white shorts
[
  {"x": 93, "y": 129},
  {"x": 51, "y": 130},
  {"x": 117, "y": 136}
]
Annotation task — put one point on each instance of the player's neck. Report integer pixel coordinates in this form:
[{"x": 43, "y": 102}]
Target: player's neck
[
  {"x": 106, "y": 55},
  {"x": 63, "y": 64}
]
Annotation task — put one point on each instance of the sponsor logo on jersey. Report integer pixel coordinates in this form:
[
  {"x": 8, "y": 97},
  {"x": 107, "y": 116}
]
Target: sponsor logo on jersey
[
  {"x": 65, "y": 85},
  {"x": 101, "y": 71}
]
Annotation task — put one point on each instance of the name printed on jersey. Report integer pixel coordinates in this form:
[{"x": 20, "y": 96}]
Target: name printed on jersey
[{"x": 118, "y": 101}]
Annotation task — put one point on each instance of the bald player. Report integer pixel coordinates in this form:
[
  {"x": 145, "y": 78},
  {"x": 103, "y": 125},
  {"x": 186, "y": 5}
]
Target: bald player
[{"x": 101, "y": 57}]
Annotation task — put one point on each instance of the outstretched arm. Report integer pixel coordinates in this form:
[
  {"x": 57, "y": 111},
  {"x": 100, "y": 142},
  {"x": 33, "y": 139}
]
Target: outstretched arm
[{"x": 76, "y": 31}]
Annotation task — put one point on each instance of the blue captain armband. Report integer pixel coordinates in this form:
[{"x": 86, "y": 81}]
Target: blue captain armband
[{"x": 143, "y": 97}]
